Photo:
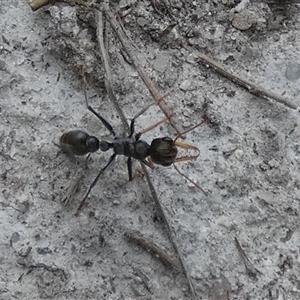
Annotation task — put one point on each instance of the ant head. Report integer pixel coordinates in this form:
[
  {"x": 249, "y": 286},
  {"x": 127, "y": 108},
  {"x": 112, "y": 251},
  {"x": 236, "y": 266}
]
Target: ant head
[
  {"x": 163, "y": 151},
  {"x": 92, "y": 144},
  {"x": 105, "y": 146}
]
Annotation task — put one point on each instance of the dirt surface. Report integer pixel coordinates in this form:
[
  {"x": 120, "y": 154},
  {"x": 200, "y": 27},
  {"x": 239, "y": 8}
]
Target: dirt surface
[{"x": 248, "y": 164}]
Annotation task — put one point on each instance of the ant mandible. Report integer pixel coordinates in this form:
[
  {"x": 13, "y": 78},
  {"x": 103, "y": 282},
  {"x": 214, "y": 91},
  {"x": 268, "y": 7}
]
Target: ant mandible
[{"x": 162, "y": 151}]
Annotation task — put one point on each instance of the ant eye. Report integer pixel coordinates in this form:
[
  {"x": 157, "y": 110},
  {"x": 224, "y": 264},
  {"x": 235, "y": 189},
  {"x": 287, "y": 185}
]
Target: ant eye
[{"x": 167, "y": 139}]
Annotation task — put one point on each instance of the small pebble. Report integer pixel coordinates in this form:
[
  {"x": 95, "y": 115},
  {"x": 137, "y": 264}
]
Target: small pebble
[
  {"x": 185, "y": 85},
  {"x": 239, "y": 154},
  {"x": 15, "y": 237},
  {"x": 219, "y": 169},
  {"x": 265, "y": 196},
  {"x": 292, "y": 71},
  {"x": 297, "y": 159},
  {"x": 161, "y": 62},
  {"x": 243, "y": 20}
]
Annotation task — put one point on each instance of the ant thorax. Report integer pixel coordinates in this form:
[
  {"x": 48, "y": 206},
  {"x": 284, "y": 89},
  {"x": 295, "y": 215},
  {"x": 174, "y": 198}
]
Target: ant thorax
[
  {"x": 121, "y": 146},
  {"x": 130, "y": 147}
]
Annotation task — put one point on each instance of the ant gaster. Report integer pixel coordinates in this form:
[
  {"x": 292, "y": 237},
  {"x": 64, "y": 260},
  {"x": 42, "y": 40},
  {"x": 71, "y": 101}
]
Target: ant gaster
[{"x": 162, "y": 151}]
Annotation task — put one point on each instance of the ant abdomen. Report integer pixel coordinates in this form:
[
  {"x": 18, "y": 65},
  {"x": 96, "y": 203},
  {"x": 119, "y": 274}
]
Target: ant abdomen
[{"x": 78, "y": 142}]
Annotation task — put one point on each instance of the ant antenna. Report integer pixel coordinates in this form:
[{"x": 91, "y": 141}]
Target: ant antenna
[
  {"x": 185, "y": 158},
  {"x": 190, "y": 129},
  {"x": 190, "y": 180}
]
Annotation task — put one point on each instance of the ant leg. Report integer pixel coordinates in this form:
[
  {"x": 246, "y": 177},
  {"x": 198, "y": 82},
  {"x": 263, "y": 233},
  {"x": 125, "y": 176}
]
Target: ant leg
[
  {"x": 153, "y": 126},
  {"x": 112, "y": 158},
  {"x": 142, "y": 111},
  {"x": 138, "y": 135},
  {"x": 190, "y": 180},
  {"x": 104, "y": 122},
  {"x": 129, "y": 168},
  {"x": 131, "y": 130},
  {"x": 149, "y": 105}
]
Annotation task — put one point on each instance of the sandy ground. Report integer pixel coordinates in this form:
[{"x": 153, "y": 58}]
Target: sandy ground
[{"x": 248, "y": 164}]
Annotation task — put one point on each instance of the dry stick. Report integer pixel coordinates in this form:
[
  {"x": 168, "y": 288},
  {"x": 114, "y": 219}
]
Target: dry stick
[
  {"x": 170, "y": 232},
  {"x": 144, "y": 278},
  {"x": 148, "y": 82},
  {"x": 151, "y": 247},
  {"x": 251, "y": 270},
  {"x": 73, "y": 186},
  {"x": 108, "y": 78},
  {"x": 9, "y": 80},
  {"x": 252, "y": 88},
  {"x": 37, "y": 4}
]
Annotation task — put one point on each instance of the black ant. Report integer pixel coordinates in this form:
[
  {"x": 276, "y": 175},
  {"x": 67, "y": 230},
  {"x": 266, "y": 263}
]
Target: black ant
[{"x": 162, "y": 151}]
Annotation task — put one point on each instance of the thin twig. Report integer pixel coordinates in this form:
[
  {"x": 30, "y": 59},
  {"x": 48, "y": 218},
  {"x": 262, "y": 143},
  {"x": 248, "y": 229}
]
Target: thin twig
[
  {"x": 9, "y": 80},
  {"x": 251, "y": 270},
  {"x": 144, "y": 278},
  {"x": 108, "y": 77},
  {"x": 73, "y": 186},
  {"x": 252, "y": 88},
  {"x": 151, "y": 247},
  {"x": 37, "y": 4}
]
